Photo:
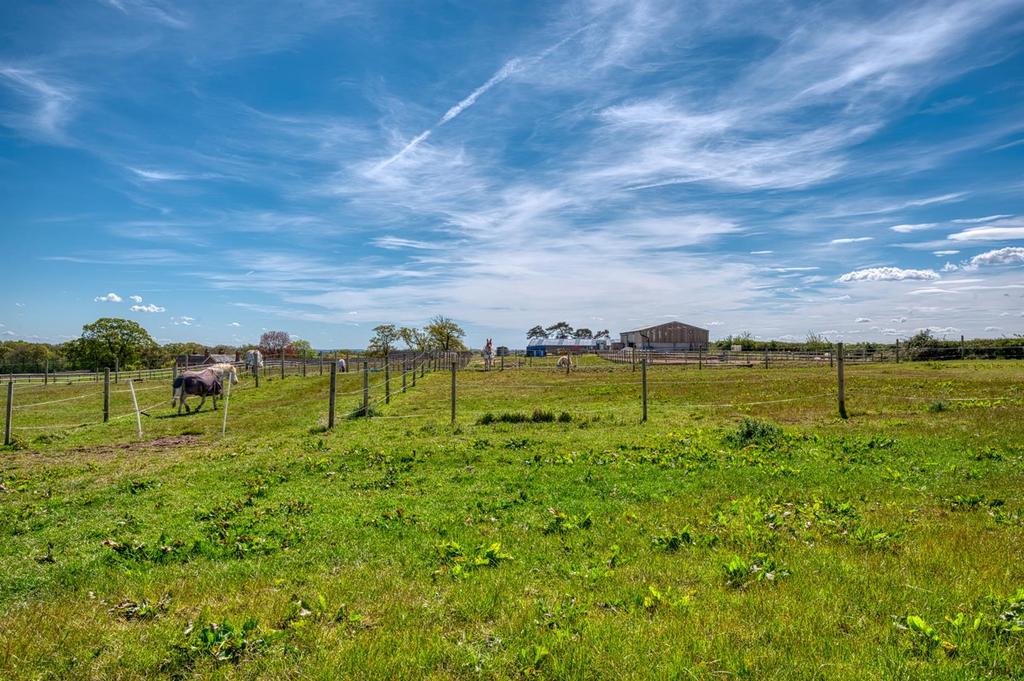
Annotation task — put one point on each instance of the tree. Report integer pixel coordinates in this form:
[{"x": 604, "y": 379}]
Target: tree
[
  {"x": 560, "y": 330},
  {"x": 303, "y": 349},
  {"x": 583, "y": 333},
  {"x": 414, "y": 338},
  {"x": 537, "y": 332},
  {"x": 603, "y": 333},
  {"x": 445, "y": 334},
  {"x": 110, "y": 342},
  {"x": 275, "y": 341},
  {"x": 921, "y": 339},
  {"x": 384, "y": 338}
]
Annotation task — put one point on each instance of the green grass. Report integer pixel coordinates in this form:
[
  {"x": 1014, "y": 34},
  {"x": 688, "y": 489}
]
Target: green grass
[{"x": 732, "y": 535}]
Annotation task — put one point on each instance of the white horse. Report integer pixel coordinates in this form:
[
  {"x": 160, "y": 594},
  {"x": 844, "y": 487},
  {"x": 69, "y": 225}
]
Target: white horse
[
  {"x": 225, "y": 371},
  {"x": 253, "y": 360},
  {"x": 342, "y": 366},
  {"x": 488, "y": 354},
  {"x": 565, "y": 362}
]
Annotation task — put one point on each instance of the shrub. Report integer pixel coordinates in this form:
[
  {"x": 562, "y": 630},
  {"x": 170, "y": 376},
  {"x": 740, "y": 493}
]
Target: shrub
[{"x": 754, "y": 431}]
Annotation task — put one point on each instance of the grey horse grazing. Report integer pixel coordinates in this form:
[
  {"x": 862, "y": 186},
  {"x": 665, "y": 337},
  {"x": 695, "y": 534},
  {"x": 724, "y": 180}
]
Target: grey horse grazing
[{"x": 201, "y": 383}]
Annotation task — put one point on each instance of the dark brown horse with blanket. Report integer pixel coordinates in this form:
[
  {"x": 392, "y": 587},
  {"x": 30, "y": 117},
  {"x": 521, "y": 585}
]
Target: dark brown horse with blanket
[{"x": 201, "y": 383}]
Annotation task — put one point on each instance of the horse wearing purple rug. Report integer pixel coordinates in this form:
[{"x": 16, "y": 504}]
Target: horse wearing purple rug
[{"x": 201, "y": 383}]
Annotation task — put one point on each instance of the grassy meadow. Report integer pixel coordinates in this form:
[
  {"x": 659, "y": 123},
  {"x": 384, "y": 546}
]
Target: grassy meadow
[{"x": 744, "y": 531}]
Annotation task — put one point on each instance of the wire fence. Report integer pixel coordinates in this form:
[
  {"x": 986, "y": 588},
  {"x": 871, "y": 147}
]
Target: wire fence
[{"x": 462, "y": 388}]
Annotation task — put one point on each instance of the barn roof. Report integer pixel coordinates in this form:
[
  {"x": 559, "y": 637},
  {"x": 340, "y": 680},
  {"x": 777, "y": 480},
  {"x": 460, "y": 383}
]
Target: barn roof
[{"x": 658, "y": 326}]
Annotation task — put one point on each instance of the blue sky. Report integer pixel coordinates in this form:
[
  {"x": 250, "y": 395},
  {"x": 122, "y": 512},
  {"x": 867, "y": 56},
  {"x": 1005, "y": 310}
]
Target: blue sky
[{"x": 851, "y": 169}]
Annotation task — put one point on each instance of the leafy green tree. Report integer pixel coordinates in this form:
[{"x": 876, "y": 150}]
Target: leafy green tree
[
  {"x": 583, "y": 333},
  {"x": 445, "y": 334},
  {"x": 603, "y": 333},
  {"x": 537, "y": 332},
  {"x": 303, "y": 349},
  {"x": 110, "y": 341},
  {"x": 414, "y": 339},
  {"x": 384, "y": 338},
  {"x": 560, "y": 330}
]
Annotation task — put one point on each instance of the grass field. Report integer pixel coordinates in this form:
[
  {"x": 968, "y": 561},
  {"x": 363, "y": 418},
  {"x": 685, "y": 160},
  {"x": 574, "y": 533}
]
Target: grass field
[{"x": 744, "y": 531}]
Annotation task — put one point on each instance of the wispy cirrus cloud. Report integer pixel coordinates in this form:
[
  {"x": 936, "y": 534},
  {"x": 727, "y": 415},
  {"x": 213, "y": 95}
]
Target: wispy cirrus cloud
[{"x": 49, "y": 103}]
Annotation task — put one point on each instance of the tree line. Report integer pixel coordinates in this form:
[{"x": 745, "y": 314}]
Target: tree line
[
  {"x": 440, "y": 334},
  {"x": 563, "y": 330}
]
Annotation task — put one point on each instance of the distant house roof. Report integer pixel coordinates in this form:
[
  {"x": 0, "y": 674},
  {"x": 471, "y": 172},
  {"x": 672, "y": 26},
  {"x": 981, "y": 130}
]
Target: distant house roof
[{"x": 218, "y": 358}]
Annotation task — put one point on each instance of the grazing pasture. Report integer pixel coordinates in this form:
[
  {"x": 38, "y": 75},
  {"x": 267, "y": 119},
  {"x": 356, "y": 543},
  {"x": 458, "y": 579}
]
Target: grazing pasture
[{"x": 744, "y": 531}]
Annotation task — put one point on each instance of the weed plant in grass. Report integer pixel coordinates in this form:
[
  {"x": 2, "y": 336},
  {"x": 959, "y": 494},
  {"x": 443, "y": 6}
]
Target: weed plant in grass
[{"x": 761, "y": 540}]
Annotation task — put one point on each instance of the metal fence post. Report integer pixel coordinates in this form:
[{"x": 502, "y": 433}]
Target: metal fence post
[
  {"x": 334, "y": 384},
  {"x": 842, "y": 384},
  {"x": 962, "y": 349},
  {"x": 643, "y": 382}
]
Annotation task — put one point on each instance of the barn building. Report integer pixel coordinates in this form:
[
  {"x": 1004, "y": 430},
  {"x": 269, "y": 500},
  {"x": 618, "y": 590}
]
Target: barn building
[
  {"x": 667, "y": 337},
  {"x": 542, "y": 347}
]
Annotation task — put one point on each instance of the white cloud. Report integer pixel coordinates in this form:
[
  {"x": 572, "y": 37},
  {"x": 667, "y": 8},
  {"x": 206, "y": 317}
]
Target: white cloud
[
  {"x": 183, "y": 321},
  {"x": 851, "y": 240},
  {"x": 135, "y": 299},
  {"x": 396, "y": 243},
  {"x": 944, "y": 253},
  {"x": 234, "y": 324},
  {"x": 862, "y": 320},
  {"x": 109, "y": 298},
  {"x": 887, "y": 274},
  {"x": 1011, "y": 255},
  {"x": 52, "y": 103},
  {"x": 995, "y": 231},
  {"x": 987, "y": 218},
  {"x": 993, "y": 328},
  {"x": 899, "y": 320},
  {"x": 151, "y": 175},
  {"x": 906, "y": 229},
  {"x": 761, "y": 252},
  {"x": 147, "y": 308},
  {"x": 950, "y": 267}
]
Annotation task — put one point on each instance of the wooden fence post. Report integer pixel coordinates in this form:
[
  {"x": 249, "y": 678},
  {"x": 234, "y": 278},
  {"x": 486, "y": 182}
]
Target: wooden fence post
[
  {"x": 366, "y": 388},
  {"x": 106, "y": 394},
  {"x": 897, "y": 350},
  {"x": 453, "y": 392},
  {"x": 961, "y": 347},
  {"x": 842, "y": 383},
  {"x": 117, "y": 369},
  {"x": 502, "y": 363},
  {"x": 766, "y": 358},
  {"x": 334, "y": 385},
  {"x": 321, "y": 363},
  {"x": 414, "y": 372},
  {"x": 405, "y": 374},
  {"x": 387, "y": 380},
  {"x": 10, "y": 412},
  {"x": 304, "y": 363},
  {"x": 256, "y": 374},
  {"x": 282, "y": 363},
  {"x": 700, "y": 357},
  {"x": 46, "y": 374},
  {"x": 643, "y": 382}
]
